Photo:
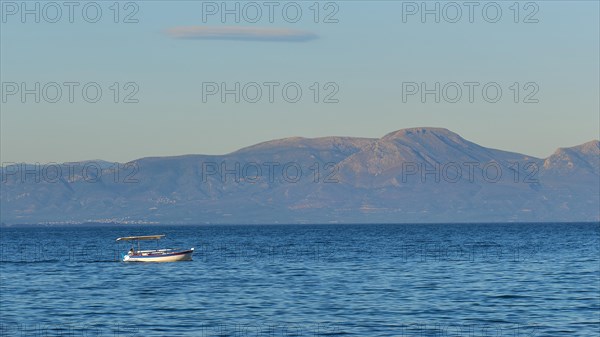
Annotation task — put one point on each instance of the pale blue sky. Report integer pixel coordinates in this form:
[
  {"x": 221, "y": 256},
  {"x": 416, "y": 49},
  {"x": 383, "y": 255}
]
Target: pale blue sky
[{"x": 369, "y": 53}]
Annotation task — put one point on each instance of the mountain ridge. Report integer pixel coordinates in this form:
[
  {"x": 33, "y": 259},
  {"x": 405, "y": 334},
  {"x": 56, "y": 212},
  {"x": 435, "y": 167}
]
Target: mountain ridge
[{"x": 409, "y": 175}]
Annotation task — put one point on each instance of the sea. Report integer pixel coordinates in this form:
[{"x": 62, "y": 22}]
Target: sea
[{"x": 502, "y": 279}]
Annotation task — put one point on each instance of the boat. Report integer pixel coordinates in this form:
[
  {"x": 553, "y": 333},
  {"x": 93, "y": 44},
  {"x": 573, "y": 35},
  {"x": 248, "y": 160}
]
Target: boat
[{"x": 153, "y": 255}]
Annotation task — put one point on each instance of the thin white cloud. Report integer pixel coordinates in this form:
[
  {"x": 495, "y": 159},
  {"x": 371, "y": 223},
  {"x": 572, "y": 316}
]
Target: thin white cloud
[{"x": 241, "y": 33}]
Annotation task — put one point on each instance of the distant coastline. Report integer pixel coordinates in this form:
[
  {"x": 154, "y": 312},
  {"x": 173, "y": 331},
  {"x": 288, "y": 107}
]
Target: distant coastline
[{"x": 416, "y": 175}]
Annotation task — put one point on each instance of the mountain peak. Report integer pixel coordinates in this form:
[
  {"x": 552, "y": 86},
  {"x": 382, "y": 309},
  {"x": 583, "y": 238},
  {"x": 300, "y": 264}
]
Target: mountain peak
[
  {"x": 426, "y": 138},
  {"x": 420, "y": 132},
  {"x": 583, "y": 156},
  {"x": 591, "y": 148},
  {"x": 320, "y": 143}
]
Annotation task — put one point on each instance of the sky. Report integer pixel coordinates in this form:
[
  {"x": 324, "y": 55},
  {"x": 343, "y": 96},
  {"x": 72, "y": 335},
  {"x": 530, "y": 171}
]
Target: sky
[{"x": 361, "y": 68}]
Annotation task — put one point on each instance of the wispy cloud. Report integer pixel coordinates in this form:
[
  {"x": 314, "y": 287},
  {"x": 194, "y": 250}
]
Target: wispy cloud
[{"x": 240, "y": 33}]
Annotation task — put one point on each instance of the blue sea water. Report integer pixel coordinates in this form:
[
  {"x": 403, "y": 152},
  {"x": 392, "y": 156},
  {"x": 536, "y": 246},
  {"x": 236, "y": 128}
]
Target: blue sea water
[{"x": 305, "y": 280}]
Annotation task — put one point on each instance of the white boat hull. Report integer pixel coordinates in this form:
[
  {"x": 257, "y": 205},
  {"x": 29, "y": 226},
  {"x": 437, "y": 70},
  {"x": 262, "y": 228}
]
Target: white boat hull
[{"x": 160, "y": 256}]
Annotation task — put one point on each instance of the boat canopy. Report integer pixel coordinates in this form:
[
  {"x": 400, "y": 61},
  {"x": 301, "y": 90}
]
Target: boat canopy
[{"x": 145, "y": 237}]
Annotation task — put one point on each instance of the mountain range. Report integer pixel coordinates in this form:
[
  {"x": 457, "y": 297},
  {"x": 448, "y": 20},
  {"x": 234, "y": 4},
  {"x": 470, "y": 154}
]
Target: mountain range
[{"x": 416, "y": 175}]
